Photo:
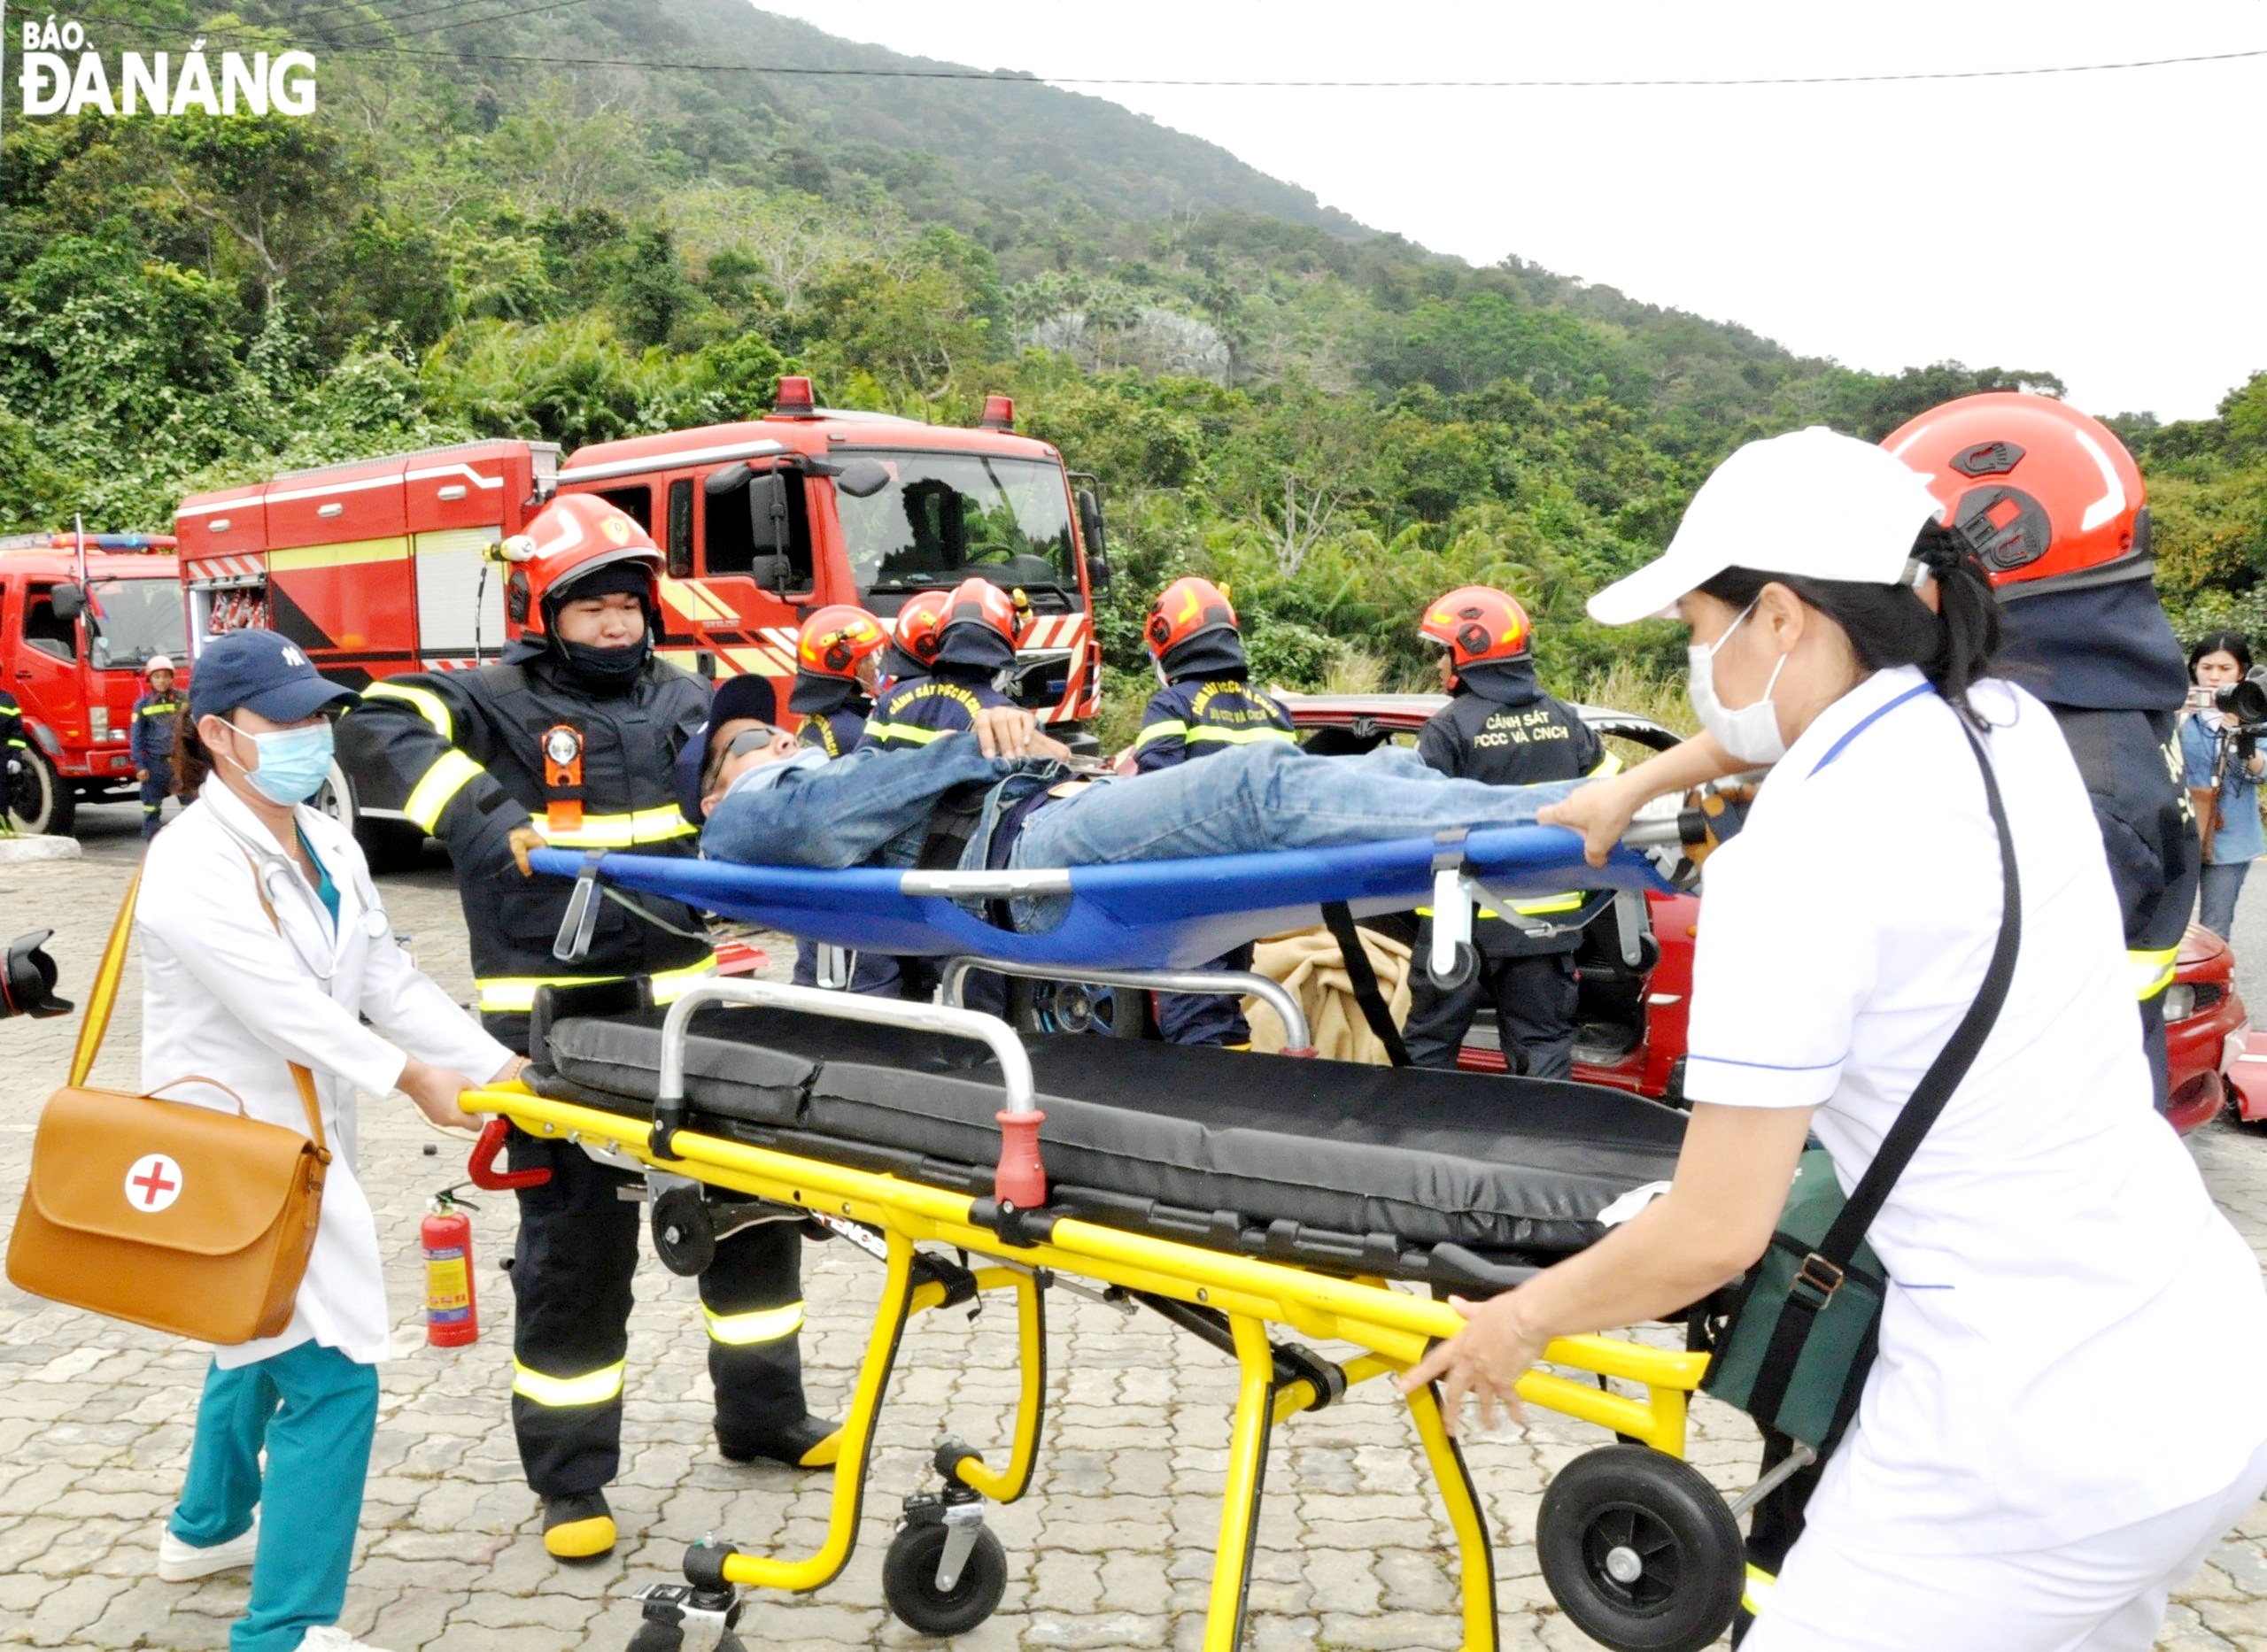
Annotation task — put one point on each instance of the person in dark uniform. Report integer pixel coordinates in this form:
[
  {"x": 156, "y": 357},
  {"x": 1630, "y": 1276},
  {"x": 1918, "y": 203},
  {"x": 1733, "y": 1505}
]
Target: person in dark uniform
[
  {"x": 837, "y": 655},
  {"x": 15, "y": 760},
  {"x": 151, "y": 748},
  {"x": 1207, "y": 704},
  {"x": 2055, "y": 508},
  {"x": 572, "y": 741},
  {"x": 1501, "y": 728},
  {"x": 976, "y": 642},
  {"x": 913, "y": 640}
]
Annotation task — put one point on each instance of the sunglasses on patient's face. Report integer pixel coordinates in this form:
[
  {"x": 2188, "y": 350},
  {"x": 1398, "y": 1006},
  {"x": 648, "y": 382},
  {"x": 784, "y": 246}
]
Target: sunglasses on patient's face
[{"x": 750, "y": 740}]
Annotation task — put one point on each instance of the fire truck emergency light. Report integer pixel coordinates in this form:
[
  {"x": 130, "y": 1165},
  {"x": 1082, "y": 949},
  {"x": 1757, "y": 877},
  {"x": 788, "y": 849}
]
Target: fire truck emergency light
[
  {"x": 999, "y": 414},
  {"x": 794, "y": 399}
]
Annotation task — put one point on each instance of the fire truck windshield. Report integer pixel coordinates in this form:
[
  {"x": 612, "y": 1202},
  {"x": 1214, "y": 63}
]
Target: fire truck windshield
[
  {"x": 132, "y": 619},
  {"x": 943, "y": 516}
]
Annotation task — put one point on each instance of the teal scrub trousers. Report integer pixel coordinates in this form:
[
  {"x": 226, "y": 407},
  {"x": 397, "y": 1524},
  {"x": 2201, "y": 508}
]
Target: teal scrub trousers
[{"x": 314, "y": 1412}]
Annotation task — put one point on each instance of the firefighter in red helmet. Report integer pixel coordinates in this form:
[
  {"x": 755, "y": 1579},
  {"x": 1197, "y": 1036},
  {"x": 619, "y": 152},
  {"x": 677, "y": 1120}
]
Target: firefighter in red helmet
[
  {"x": 2054, "y": 506},
  {"x": 1207, "y": 703},
  {"x": 571, "y": 741},
  {"x": 1501, "y": 728}
]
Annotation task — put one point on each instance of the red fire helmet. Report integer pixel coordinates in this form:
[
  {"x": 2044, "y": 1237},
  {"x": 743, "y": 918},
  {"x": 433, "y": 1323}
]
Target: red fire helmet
[
  {"x": 1477, "y": 624},
  {"x": 921, "y": 625},
  {"x": 1186, "y": 610},
  {"x": 569, "y": 539},
  {"x": 2049, "y": 496},
  {"x": 978, "y": 601},
  {"x": 835, "y": 639}
]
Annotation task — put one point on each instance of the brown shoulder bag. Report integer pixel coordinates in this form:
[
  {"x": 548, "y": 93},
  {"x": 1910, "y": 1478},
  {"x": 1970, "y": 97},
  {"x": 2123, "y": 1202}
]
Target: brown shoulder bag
[{"x": 165, "y": 1214}]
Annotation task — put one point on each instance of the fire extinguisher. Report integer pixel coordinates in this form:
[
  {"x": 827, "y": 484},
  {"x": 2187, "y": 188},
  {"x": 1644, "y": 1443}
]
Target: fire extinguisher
[{"x": 451, "y": 1304}]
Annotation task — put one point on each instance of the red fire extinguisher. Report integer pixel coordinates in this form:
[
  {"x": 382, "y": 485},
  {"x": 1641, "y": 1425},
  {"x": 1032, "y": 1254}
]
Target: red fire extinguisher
[{"x": 452, "y": 1306}]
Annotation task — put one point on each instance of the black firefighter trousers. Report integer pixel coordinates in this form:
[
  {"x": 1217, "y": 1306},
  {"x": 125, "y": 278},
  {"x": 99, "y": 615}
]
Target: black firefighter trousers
[{"x": 571, "y": 1276}]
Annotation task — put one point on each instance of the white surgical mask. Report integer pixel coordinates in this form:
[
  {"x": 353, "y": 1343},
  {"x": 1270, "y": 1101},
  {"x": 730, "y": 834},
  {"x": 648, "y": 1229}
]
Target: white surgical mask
[{"x": 1749, "y": 733}]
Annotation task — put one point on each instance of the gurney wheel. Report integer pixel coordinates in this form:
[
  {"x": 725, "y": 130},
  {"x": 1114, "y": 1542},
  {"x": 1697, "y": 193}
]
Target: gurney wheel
[
  {"x": 685, "y": 1235},
  {"x": 1640, "y": 1551},
  {"x": 909, "y": 1580},
  {"x": 1464, "y": 965}
]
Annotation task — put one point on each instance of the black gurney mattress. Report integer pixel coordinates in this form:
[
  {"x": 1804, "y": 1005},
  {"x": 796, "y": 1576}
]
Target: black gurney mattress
[{"x": 1496, "y": 1164}]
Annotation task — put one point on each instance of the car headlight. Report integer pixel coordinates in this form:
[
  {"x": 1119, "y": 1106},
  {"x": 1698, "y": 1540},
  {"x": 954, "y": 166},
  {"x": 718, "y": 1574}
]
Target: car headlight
[{"x": 2179, "y": 1002}]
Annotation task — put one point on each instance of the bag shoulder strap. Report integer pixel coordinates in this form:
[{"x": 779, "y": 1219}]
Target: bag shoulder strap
[
  {"x": 301, "y": 1077},
  {"x": 107, "y": 973},
  {"x": 1945, "y": 1074}
]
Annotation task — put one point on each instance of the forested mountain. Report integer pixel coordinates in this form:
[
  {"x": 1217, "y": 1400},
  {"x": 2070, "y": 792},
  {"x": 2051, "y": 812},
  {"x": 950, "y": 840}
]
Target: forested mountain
[{"x": 498, "y": 223}]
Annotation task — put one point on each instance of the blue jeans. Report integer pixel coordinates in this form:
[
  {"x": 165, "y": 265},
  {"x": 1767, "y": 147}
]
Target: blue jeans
[
  {"x": 2216, "y": 895},
  {"x": 874, "y": 806},
  {"x": 314, "y": 1412},
  {"x": 1253, "y": 798}
]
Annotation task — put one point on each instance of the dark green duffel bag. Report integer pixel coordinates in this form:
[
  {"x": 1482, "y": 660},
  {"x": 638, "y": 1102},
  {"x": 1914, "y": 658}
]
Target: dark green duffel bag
[{"x": 1800, "y": 1336}]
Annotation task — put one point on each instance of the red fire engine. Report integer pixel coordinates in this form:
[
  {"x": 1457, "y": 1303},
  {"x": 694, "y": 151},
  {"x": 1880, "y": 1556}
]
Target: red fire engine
[
  {"x": 77, "y": 623},
  {"x": 383, "y": 565}
]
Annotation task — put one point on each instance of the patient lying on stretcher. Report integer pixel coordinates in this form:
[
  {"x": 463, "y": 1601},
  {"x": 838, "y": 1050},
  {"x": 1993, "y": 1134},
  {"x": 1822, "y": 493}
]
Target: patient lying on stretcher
[{"x": 770, "y": 801}]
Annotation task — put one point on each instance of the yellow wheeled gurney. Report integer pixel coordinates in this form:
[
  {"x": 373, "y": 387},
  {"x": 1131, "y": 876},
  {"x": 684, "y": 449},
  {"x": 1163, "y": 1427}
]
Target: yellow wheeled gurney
[{"x": 1248, "y": 1200}]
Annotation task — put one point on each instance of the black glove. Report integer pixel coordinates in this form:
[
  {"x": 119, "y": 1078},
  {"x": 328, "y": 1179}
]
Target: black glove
[{"x": 2247, "y": 744}]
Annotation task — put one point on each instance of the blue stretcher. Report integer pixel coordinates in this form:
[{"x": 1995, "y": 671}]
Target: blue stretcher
[{"x": 1143, "y": 914}]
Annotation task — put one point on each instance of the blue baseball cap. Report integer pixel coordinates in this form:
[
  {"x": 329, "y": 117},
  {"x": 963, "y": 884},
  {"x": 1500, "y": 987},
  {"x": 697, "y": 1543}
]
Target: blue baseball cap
[
  {"x": 266, "y": 674},
  {"x": 736, "y": 697}
]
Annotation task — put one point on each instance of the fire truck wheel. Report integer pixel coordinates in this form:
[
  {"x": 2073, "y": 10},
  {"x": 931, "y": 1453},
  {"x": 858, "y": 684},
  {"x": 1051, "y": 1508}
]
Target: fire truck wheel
[{"x": 40, "y": 801}]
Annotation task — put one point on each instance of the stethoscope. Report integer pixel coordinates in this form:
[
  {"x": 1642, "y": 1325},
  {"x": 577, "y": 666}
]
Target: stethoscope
[{"x": 269, "y": 864}]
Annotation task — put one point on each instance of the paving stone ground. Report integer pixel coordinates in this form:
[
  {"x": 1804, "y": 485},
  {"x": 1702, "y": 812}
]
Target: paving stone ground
[{"x": 1112, "y": 1548}]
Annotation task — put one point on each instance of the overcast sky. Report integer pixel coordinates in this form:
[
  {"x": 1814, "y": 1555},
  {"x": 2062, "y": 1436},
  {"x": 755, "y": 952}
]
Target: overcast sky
[{"x": 2106, "y": 227}]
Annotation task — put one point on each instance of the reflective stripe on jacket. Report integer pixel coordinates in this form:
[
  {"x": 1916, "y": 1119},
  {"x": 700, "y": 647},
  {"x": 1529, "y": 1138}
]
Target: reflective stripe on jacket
[{"x": 460, "y": 753}]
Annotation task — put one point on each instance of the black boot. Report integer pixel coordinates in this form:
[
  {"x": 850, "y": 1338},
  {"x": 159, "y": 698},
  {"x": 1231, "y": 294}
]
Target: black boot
[
  {"x": 806, "y": 1444},
  {"x": 578, "y": 1527}
]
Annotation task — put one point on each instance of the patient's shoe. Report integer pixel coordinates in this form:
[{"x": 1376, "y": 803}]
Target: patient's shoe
[
  {"x": 580, "y": 1527},
  {"x": 331, "y": 1638},
  {"x": 180, "y": 1563},
  {"x": 806, "y": 1444}
]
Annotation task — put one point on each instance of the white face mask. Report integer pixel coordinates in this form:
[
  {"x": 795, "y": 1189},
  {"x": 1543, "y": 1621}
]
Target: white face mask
[{"x": 1749, "y": 733}]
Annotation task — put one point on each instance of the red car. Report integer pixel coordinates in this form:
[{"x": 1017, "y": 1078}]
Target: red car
[{"x": 1636, "y": 957}]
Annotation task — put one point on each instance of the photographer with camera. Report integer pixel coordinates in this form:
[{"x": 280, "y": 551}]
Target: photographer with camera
[{"x": 2219, "y": 750}]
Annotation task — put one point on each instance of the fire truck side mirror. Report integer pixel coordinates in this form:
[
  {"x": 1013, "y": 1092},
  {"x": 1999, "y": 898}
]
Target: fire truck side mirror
[
  {"x": 1097, "y": 538},
  {"x": 767, "y": 513},
  {"x": 69, "y": 601},
  {"x": 725, "y": 479}
]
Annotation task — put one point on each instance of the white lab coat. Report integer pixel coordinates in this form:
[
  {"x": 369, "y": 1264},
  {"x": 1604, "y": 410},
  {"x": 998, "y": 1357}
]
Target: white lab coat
[{"x": 225, "y": 997}]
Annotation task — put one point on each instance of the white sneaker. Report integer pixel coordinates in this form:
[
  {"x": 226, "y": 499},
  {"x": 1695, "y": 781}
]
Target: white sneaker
[
  {"x": 178, "y": 1561},
  {"x": 331, "y": 1638}
]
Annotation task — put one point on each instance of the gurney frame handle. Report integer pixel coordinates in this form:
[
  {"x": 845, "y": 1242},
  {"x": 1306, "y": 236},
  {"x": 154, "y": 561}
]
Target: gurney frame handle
[
  {"x": 1297, "y": 1039},
  {"x": 1020, "y": 1180}
]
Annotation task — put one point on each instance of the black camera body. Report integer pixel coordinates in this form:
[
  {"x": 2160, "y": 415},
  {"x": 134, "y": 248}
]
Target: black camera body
[
  {"x": 2244, "y": 705},
  {"x": 28, "y": 980}
]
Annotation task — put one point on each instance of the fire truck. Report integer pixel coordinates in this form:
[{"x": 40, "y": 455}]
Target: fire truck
[
  {"x": 78, "y": 617},
  {"x": 388, "y": 565}
]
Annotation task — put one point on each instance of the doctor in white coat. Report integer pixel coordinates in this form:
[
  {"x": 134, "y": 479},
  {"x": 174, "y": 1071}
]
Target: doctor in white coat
[{"x": 232, "y": 994}]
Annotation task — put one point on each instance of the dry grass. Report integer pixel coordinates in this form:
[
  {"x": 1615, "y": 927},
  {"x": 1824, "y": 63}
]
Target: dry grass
[{"x": 1624, "y": 686}]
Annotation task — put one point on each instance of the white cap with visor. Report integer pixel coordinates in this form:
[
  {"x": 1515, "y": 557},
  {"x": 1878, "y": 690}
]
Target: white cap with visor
[{"x": 1813, "y": 504}]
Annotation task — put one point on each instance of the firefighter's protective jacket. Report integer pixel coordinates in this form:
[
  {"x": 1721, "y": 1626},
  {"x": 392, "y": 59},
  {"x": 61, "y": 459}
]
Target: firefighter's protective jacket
[
  {"x": 834, "y": 712},
  {"x": 154, "y": 717},
  {"x": 921, "y": 710},
  {"x": 1191, "y": 716},
  {"x": 462, "y": 754},
  {"x": 1501, "y": 728},
  {"x": 12, "y": 726}
]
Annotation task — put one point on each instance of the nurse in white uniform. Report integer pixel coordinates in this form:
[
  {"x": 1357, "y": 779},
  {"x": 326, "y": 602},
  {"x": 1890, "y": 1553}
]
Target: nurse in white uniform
[
  {"x": 2013, "y": 1482},
  {"x": 231, "y": 995}
]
